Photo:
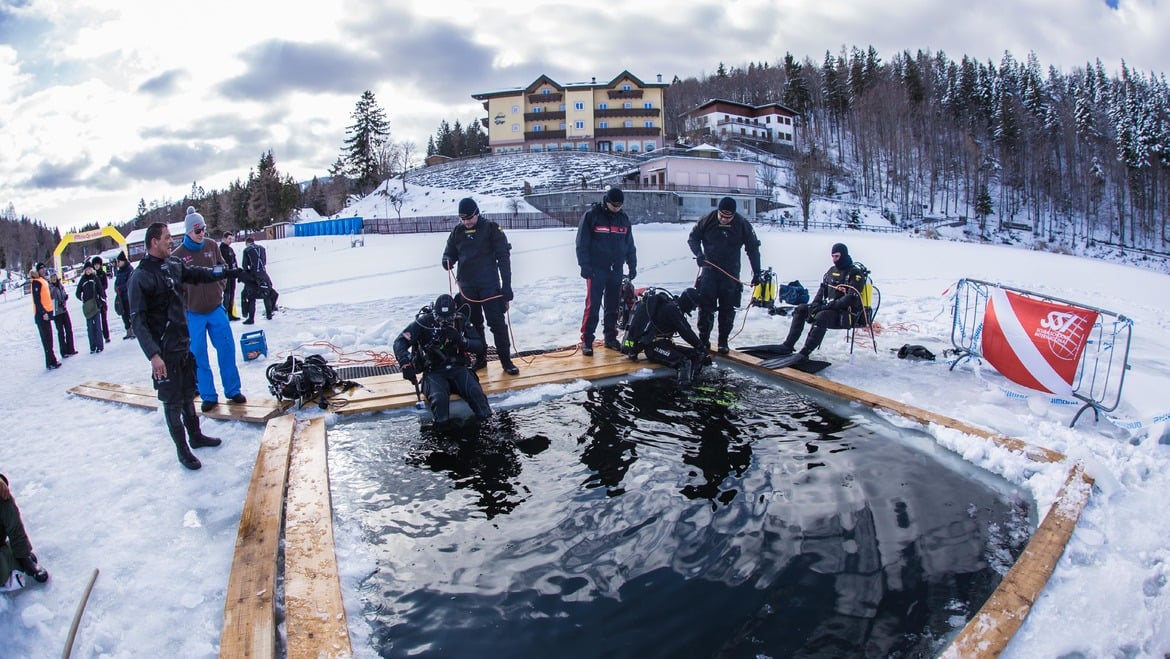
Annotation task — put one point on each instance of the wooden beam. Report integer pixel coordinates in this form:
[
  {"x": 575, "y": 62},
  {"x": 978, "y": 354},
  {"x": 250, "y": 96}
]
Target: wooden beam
[
  {"x": 256, "y": 410},
  {"x": 315, "y": 620},
  {"x": 249, "y": 614}
]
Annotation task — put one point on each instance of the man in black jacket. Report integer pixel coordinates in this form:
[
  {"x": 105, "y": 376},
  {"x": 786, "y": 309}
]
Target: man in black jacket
[
  {"x": 437, "y": 344},
  {"x": 229, "y": 284},
  {"x": 16, "y": 556},
  {"x": 716, "y": 241},
  {"x": 605, "y": 242},
  {"x": 159, "y": 317},
  {"x": 103, "y": 285},
  {"x": 656, "y": 318},
  {"x": 257, "y": 283},
  {"x": 483, "y": 255},
  {"x": 837, "y": 304}
]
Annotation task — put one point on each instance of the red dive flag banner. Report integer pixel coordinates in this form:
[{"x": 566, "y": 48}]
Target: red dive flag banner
[{"x": 1035, "y": 343}]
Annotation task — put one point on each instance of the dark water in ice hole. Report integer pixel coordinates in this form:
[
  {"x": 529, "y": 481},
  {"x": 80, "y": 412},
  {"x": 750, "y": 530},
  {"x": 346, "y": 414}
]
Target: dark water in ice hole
[{"x": 740, "y": 520}]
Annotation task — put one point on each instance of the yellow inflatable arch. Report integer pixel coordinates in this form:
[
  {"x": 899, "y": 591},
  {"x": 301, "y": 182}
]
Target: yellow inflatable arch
[{"x": 85, "y": 236}]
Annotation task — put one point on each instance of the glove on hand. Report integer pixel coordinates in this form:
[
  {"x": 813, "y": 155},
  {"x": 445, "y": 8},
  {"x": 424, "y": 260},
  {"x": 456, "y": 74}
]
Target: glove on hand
[
  {"x": 755, "y": 279},
  {"x": 452, "y": 336},
  {"x": 700, "y": 260},
  {"x": 633, "y": 273},
  {"x": 448, "y": 263},
  {"x": 409, "y": 374},
  {"x": 586, "y": 272},
  {"x": 507, "y": 292}
]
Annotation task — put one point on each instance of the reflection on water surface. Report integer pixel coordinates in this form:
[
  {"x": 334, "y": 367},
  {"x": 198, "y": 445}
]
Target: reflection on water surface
[{"x": 736, "y": 520}]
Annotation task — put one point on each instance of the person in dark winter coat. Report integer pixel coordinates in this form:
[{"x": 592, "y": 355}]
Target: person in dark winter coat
[
  {"x": 122, "y": 272},
  {"x": 437, "y": 344},
  {"x": 257, "y": 284},
  {"x": 656, "y": 318},
  {"x": 61, "y": 317},
  {"x": 605, "y": 243},
  {"x": 229, "y": 284},
  {"x": 42, "y": 299},
  {"x": 484, "y": 275},
  {"x": 17, "y": 559},
  {"x": 206, "y": 317},
  {"x": 159, "y": 317},
  {"x": 836, "y": 305},
  {"x": 88, "y": 292},
  {"x": 103, "y": 281},
  {"x": 716, "y": 241}
]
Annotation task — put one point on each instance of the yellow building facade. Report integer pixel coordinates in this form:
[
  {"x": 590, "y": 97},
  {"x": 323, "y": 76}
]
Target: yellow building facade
[{"x": 624, "y": 115}]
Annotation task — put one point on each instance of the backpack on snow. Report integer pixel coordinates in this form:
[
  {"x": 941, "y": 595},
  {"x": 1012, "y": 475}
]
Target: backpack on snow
[{"x": 302, "y": 379}]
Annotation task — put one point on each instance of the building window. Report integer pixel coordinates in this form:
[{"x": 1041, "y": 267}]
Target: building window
[
  {"x": 633, "y": 147},
  {"x": 648, "y": 106},
  {"x": 619, "y": 146},
  {"x": 767, "y": 120},
  {"x": 649, "y": 147},
  {"x": 562, "y": 125},
  {"x": 515, "y": 109},
  {"x": 603, "y": 124},
  {"x": 579, "y": 105},
  {"x": 603, "y": 106},
  {"x": 626, "y": 88},
  {"x": 538, "y": 129},
  {"x": 538, "y": 109},
  {"x": 627, "y": 105},
  {"x": 515, "y": 128},
  {"x": 628, "y": 124},
  {"x": 648, "y": 124},
  {"x": 546, "y": 91},
  {"x": 579, "y": 124}
]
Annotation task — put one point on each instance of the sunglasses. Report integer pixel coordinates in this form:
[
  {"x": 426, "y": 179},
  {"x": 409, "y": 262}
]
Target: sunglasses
[
  {"x": 199, "y": 229},
  {"x": 465, "y": 217},
  {"x": 726, "y": 214}
]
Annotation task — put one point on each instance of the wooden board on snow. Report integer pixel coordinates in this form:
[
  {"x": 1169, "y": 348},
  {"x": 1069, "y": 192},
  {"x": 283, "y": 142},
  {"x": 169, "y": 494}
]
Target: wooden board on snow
[
  {"x": 386, "y": 392},
  {"x": 256, "y": 410}
]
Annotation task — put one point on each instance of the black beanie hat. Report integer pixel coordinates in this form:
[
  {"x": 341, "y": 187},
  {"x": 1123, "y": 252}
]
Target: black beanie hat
[
  {"x": 727, "y": 204},
  {"x": 840, "y": 248},
  {"x": 467, "y": 206},
  {"x": 615, "y": 196}
]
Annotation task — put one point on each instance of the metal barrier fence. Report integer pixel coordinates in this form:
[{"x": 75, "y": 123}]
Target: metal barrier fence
[
  {"x": 444, "y": 223},
  {"x": 1100, "y": 373}
]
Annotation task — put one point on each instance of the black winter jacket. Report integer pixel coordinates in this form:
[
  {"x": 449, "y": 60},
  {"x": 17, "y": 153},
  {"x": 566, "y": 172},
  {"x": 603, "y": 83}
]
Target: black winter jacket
[
  {"x": 657, "y": 317},
  {"x": 605, "y": 241},
  {"x": 157, "y": 311},
  {"x": 721, "y": 245},
  {"x": 482, "y": 253}
]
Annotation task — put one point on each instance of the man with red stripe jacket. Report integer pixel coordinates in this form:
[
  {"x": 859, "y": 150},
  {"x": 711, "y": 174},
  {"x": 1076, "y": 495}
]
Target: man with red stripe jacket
[{"x": 605, "y": 242}]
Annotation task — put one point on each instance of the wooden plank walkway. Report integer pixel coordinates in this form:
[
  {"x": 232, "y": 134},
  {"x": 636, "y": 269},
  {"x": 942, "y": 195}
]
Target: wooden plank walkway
[
  {"x": 256, "y": 410},
  {"x": 386, "y": 392},
  {"x": 315, "y": 619},
  {"x": 249, "y": 613}
]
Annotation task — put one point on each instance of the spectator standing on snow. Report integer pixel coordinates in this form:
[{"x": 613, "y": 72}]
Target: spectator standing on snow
[
  {"x": 42, "y": 299},
  {"x": 605, "y": 243},
  {"x": 257, "y": 283},
  {"x": 87, "y": 292},
  {"x": 160, "y": 324},
  {"x": 122, "y": 272},
  {"x": 206, "y": 316},
  {"x": 229, "y": 284},
  {"x": 17, "y": 559},
  {"x": 483, "y": 255},
  {"x": 716, "y": 241},
  {"x": 61, "y": 317},
  {"x": 103, "y": 281}
]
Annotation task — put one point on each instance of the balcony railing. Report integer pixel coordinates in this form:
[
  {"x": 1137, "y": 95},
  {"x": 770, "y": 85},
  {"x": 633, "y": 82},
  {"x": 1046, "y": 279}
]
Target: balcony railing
[
  {"x": 633, "y": 93},
  {"x": 545, "y": 98},
  {"x": 628, "y": 132},
  {"x": 544, "y": 135},
  {"x": 544, "y": 116},
  {"x": 628, "y": 112}
]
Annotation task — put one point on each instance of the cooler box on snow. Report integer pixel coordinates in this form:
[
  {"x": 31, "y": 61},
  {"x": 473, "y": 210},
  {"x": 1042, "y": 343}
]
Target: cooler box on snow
[{"x": 253, "y": 344}]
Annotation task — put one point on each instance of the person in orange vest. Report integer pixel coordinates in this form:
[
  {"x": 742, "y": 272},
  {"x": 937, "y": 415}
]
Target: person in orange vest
[{"x": 43, "y": 307}]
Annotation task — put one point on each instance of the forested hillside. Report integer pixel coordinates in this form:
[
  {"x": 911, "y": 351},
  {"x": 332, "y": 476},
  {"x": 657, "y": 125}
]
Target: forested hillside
[{"x": 1077, "y": 156}]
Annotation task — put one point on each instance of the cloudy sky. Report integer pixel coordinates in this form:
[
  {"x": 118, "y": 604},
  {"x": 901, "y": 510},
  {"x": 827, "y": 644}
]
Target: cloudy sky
[{"x": 105, "y": 102}]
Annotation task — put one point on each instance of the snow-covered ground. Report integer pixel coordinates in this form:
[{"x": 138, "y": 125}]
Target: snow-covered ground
[{"x": 99, "y": 485}]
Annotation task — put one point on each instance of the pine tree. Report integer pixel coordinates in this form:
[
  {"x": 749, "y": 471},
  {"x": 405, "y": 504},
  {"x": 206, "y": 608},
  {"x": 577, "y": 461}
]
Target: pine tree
[{"x": 367, "y": 134}]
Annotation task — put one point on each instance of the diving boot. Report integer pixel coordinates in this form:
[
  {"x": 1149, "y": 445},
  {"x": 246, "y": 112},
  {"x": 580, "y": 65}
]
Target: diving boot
[{"x": 197, "y": 438}]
